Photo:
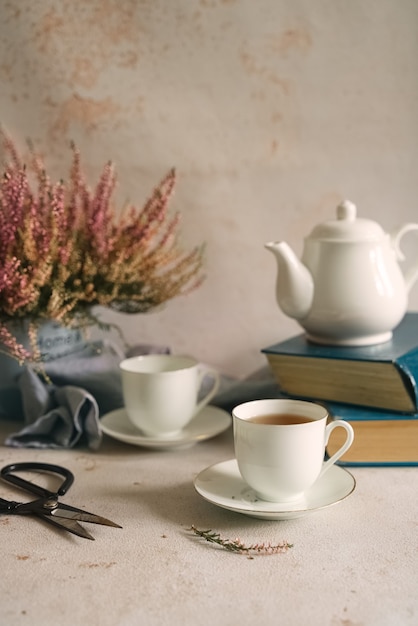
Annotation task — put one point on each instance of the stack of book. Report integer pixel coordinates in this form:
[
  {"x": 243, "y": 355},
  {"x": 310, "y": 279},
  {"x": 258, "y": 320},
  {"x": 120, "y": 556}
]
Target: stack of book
[{"x": 372, "y": 387}]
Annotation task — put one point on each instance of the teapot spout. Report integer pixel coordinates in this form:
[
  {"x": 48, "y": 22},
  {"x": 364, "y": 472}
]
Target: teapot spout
[{"x": 294, "y": 286}]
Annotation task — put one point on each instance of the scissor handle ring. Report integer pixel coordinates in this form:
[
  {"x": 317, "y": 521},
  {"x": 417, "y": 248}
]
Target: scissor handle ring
[{"x": 8, "y": 475}]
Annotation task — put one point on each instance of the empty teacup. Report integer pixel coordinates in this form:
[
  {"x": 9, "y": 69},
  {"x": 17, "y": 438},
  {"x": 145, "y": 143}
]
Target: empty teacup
[
  {"x": 162, "y": 392},
  {"x": 280, "y": 446}
]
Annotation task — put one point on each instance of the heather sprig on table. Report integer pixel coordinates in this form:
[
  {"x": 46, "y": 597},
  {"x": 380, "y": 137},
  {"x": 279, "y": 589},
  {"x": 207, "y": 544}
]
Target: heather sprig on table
[
  {"x": 238, "y": 546},
  {"x": 64, "y": 248}
]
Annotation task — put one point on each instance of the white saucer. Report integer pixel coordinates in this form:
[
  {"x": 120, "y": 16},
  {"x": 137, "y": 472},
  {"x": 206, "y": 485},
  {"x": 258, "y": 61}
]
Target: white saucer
[
  {"x": 222, "y": 484},
  {"x": 209, "y": 422}
]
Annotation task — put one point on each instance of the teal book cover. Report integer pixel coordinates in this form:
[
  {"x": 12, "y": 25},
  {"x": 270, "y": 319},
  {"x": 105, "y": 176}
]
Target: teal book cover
[{"x": 401, "y": 352}]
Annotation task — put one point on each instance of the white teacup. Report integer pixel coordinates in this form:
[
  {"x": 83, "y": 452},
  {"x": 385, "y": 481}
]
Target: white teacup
[
  {"x": 161, "y": 392},
  {"x": 280, "y": 446}
]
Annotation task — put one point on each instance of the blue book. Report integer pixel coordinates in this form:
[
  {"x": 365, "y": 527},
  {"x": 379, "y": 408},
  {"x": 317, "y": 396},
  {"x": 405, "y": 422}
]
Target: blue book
[
  {"x": 382, "y": 376},
  {"x": 381, "y": 438}
]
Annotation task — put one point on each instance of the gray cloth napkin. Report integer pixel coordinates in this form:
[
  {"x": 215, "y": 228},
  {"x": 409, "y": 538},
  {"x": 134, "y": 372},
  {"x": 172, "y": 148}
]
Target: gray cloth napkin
[{"x": 55, "y": 417}]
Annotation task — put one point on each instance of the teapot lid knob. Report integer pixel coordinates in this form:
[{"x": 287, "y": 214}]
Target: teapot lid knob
[
  {"x": 346, "y": 211},
  {"x": 347, "y": 227}
]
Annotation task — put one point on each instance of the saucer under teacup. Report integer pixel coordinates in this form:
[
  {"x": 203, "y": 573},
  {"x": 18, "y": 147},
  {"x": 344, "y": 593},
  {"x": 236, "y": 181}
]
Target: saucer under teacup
[
  {"x": 209, "y": 422},
  {"x": 222, "y": 485}
]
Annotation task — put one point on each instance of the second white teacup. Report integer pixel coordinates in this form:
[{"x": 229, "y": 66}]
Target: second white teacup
[
  {"x": 161, "y": 391},
  {"x": 280, "y": 446}
]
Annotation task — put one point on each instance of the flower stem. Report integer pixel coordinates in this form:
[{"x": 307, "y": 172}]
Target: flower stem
[{"x": 237, "y": 546}]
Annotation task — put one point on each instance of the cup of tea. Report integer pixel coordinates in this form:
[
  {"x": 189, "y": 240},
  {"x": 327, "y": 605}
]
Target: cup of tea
[
  {"x": 162, "y": 392},
  {"x": 280, "y": 446}
]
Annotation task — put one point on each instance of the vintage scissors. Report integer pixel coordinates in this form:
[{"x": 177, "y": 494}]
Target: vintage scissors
[{"x": 48, "y": 507}]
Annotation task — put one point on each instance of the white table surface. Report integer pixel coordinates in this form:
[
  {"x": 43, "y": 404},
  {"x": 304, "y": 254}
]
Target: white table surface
[{"x": 352, "y": 564}]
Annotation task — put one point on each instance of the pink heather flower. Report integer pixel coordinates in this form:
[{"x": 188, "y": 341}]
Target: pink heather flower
[{"x": 64, "y": 248}]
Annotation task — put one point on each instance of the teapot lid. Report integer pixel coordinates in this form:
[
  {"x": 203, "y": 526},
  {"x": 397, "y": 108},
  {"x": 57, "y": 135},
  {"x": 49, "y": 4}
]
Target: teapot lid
[{"x": 347, "y": 227}]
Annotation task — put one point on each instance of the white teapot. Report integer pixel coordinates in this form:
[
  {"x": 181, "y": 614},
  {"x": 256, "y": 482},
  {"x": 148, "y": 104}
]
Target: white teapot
[{"x": 348, "y": 288}]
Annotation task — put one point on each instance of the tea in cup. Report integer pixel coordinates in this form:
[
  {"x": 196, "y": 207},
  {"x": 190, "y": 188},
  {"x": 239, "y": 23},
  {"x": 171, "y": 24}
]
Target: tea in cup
[
  {"x": 280, "y": 446},
  {"x": 161, "y": 392}
]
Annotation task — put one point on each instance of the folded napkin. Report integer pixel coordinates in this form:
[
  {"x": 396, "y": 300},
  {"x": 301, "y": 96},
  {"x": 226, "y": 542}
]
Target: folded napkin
[{"x": 55, "y": 417}]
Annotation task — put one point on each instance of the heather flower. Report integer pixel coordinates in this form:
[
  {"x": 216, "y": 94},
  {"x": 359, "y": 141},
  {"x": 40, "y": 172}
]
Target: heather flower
[
  {"x": 64, "y": 248},
  {"x": 238, "y": 546}
]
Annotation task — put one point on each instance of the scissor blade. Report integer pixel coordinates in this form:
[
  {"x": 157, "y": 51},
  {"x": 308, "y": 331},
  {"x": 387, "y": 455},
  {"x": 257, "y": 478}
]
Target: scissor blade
[
  {"x": 69, "y": 512},
  {"x": 68, "y": 524}
]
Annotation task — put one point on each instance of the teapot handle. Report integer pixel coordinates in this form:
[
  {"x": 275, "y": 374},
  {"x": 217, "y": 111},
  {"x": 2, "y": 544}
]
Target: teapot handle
[{"x": 412, "y": 274}]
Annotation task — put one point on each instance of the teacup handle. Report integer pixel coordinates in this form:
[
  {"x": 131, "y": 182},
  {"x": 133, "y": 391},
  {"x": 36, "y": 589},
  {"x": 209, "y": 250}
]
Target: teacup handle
[
  {"x": 349, "y": 440},
  {"x": 203, "y": 372}
]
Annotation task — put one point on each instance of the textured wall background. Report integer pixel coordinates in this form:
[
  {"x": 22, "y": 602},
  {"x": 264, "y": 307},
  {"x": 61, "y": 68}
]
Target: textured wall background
[{"x": 271, "y": 112}]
